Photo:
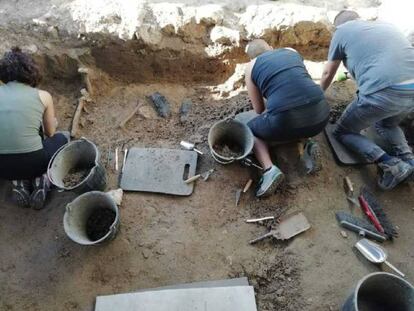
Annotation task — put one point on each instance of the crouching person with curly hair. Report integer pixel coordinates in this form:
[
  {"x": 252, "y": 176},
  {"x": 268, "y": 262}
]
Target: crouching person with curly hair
[{"x": 26, "y": 114}]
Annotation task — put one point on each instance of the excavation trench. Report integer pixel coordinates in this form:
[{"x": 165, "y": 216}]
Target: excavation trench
[
  {"x": 165, "y": 240},
  {"x": 120, "y": 78}
]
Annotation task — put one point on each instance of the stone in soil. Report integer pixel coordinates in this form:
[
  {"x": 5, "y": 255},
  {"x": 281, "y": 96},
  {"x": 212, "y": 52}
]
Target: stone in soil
[
  {"x": 75, "y": 177},
  {"x": 99, "y": 222}
]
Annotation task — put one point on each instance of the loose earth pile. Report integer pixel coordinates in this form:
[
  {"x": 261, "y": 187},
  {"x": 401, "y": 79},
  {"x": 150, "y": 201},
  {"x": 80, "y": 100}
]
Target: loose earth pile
[
  {"x": 75, "y": 177},
  {"x": 99, "y": 222}
]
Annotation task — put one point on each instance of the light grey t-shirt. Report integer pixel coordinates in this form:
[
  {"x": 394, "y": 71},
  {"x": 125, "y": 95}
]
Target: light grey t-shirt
[
  {"x": 21, "y": 114},
  {"x": 375, "y": 53}
]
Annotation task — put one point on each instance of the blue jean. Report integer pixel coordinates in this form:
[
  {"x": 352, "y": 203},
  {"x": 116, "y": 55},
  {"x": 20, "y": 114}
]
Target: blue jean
[{"x": 385, "y": 109}]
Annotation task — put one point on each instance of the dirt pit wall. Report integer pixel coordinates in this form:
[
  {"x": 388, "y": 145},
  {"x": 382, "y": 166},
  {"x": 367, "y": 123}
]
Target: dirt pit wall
[
  {"x": 188, "y": 41},
  {"x": 146, "y": 42}
]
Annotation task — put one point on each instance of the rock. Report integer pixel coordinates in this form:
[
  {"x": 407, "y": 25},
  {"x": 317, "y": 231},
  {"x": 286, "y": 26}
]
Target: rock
[
  {"x": 160, "y": 251},
  {"x": 224, "y": 35},
  {"x": 147, "y": 112},
  {"x": 210, "y": 14},
  {"x": 288, "y": 271},
  {"x": 31, "y": 49},
  {"x": 185, "y": 110},
  {"x": 344, "y": 234},
  {"x": 280, "y": 299},
  {"x": 233, "y": 84},
  {"x": 161, "y": 105},
  {"x": 53, "y": 32},
  {"x": 116, "y": 195},
  {"x": 146, "y": 253}
]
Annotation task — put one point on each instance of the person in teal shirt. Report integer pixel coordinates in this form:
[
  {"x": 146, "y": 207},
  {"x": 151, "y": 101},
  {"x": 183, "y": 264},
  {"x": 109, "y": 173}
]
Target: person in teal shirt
[{"x": 26, "y": 114}]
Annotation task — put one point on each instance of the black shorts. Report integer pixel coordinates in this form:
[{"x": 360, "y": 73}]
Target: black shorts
[
  {"x": 300, "y": 122},
  {"x": 32, "y": 164}
]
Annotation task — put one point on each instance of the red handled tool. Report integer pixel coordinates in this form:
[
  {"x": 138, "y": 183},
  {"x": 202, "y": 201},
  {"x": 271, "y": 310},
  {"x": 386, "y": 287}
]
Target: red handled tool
[{"x": 370, "y": 214}]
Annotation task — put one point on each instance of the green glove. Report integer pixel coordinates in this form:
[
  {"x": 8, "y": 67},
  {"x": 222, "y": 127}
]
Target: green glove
[{"x": 342, "y": 76}]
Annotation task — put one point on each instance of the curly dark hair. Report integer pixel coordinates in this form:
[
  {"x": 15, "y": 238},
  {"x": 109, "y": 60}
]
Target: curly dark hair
[{"x": 18, "y": 66}]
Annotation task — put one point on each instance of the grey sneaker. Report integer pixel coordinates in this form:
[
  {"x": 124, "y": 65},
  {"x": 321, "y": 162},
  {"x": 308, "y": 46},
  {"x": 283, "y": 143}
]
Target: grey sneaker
[
  {"x": 41, "y": 186},
  {"x": 21, "y": 193},
  {"x": 312, "y": 158},
  {"x": 394, "y": 172},
  {"x": 269, "y": 182},
  {"x": 408, "y": 158}
]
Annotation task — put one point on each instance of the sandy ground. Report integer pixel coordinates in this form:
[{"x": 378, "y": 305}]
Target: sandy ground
[{"x": 167, "y": 240}]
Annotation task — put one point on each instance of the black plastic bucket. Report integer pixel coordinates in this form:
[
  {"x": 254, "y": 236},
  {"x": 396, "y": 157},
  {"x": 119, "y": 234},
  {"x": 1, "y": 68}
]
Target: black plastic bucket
[
  {"x": 234, "y": 132},
  {"x": 381, "y": 291},
  {"x": 78, "y": 212},
  {"x": 82, "y": 154}
]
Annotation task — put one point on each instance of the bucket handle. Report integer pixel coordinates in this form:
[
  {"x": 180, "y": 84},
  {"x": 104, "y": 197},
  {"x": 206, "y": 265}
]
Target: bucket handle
[
  {"x": 68, "y": 207},
  {"x": 113, "y": 228}
]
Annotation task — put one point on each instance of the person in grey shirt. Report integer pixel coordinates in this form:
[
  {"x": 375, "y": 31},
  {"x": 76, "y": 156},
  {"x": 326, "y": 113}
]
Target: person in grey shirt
[{"x": 381, "y": 61}]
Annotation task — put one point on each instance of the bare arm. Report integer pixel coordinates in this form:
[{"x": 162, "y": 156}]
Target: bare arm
[
  {"x": 49, "y": 118},
  {"x": 328, "y": 73},
  {"x": 254, "y": 93}
]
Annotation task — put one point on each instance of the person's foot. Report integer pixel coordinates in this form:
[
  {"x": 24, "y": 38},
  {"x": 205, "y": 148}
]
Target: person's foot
[
  {"x": 21, "y": 193},
  {"x": 311, "y": 159},
  {"x": 408, "y": 158},
  {"x": 41, "y": 187},
  {"x": 269, "y": 182},
  {"x": 394, "y": 171}
]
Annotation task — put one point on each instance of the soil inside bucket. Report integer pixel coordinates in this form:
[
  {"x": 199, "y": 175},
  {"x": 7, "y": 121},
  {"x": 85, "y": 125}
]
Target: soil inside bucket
[
  {"x": 75, "y": 177},
  {"x": 228, "y": 149},
  {"x": 99, "y": 222},
  {"x": 336, "y": 112}
]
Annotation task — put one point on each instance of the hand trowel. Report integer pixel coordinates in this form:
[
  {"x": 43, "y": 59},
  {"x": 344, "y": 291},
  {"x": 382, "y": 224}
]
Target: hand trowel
[
  {"x": 375, "y": 253},
  {"x": 287, "y": 228}
]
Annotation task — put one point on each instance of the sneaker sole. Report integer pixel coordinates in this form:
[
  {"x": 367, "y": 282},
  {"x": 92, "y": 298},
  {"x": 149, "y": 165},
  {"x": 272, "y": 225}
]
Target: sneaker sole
[
  {"x": 38, "y": 199},
  {"x": 20, "y": 199},
  {"x": 273, "y": 187},
  {"x": 316, "y": 156}
]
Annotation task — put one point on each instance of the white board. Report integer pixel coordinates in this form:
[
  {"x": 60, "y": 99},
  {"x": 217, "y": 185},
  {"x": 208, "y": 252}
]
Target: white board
[{"x": 237, "y": 298}]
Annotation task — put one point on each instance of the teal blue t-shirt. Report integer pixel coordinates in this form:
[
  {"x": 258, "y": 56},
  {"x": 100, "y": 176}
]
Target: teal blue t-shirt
[{"x": 375, "y": 53}]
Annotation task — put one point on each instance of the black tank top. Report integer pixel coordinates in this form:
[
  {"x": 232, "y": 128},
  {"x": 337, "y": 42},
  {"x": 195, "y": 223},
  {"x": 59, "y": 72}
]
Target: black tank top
[{"x": 283, "y": 80}]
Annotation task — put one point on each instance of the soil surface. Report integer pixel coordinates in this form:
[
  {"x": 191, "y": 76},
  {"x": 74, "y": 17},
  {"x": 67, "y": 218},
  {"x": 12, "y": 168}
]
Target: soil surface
[
  {"x": 228, "y": 149},
  {"x": 99, "y": 222},
  {"x": 167, "y": 240},
  {"x": 75, "y": 177}
]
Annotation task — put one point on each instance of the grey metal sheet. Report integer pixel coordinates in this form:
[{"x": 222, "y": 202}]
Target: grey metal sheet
[
  {"x": 217, "y": 283},
  {"x": 246, "y": 117},
  {"x": 158, "y": 170},
  {"x": 342, "y": 154},
  {"x": 240, "y": 298}
]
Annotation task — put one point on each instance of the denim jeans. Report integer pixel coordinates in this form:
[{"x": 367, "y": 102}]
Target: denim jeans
[{"x": 385, "y": 109}]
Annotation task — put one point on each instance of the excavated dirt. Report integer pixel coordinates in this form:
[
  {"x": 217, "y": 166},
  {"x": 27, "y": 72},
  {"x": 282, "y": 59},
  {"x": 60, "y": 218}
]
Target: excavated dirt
[
  {"x": 75, "y": 177},
  {"x": 99, "y": 222},
  {"x": 228, "y": 149}
]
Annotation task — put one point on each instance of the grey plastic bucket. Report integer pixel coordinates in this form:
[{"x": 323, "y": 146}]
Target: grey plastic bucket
[
  {"x": 381, "y": 291},
  {"x": 78, "y": 212},
  {"x": 80, "y": 153},
  {"x": 232, "y": 131}
]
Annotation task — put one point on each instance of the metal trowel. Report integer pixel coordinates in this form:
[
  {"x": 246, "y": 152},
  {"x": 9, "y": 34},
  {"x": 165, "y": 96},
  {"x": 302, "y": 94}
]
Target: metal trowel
[
  {"x": 375, "y": 253},
  {"x": 287, "y": 228}
]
